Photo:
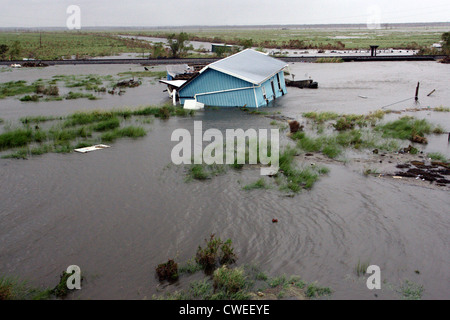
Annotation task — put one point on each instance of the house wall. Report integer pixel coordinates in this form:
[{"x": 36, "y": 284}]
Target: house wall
[
  {"x": 266, "y": 87},
  {"x": 215, "y": 83}
]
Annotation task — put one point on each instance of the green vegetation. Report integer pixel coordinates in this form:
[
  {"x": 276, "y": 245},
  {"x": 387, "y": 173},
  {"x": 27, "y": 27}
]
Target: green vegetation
[
  {"x": 127, "y": 132},
  {"x": 223, "y": 282},
  {"x": 14, "y": 289},
  {"x": 296, "y": 38},
  {"x": 204, "y": 171},
  {"x": 406, "y": 128},
  {"x": 13, "y": 88},
  {"x": 83, "y": 128},
  {"x": 411, "y": 291},
  {"x": 143, "y": 74},
  {"x": 215, "y": 253},
  {"x": 178, "y": 44},
  {"x": 361, "y": 268},
  {"x": 441, "y": 109},
  {"x": 437, "y": 156},
  {"x": 294, "y": 179},
  {"x": 314, "y": 291},
  {"x": 58, "y": 45},
  {"x": 329, "y": 60},
  {"x": 258, "y": 184}
]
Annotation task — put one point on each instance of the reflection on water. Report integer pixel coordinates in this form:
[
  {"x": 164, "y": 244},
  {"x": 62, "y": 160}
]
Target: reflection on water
[{"x": 119, "y": 212}]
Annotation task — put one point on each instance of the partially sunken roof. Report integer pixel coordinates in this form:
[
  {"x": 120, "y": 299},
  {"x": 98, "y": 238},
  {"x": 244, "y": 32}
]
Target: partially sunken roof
[{"x": 248, "y": 65}]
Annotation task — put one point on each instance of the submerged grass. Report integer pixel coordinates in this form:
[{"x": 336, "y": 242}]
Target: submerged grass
[
  {"x": 222, "y": 282},
  {"x": 83, "y": 128},
  {"x": 258, "y": 184},
  {"x": 406, "y": 128},
  {"x": 437, "y": 156},
  {"x": 14, "y": 289},
  {"x": 296, "y": 179}
]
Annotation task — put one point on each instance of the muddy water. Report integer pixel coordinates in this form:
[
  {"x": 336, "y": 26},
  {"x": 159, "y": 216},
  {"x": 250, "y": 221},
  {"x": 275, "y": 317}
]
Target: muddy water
[{"x": 119, "y": 212}]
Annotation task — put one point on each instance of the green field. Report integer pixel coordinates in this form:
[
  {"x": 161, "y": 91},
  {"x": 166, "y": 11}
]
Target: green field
[
  {"x": 408, "y": 38},
  {"x": 59, "y": 45},
  {"x": 65, "y": 44}
]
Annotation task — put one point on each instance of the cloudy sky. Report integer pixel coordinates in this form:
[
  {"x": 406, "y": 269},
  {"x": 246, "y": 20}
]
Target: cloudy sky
[{"x": 40, "y": 13}]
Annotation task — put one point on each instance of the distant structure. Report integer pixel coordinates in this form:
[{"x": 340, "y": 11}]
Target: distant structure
[
  {"x": 248, "y": 78},
  {"x": 373, "y": 51}
]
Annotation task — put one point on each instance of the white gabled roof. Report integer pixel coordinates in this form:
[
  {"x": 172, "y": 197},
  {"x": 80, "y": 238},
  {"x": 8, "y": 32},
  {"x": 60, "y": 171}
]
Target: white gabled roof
[{"x": 248, "y": 65}]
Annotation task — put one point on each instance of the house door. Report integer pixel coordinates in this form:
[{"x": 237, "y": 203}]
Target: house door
[
  {"x": 279, "y": 84},
  {"x": 273, "y": 90}
]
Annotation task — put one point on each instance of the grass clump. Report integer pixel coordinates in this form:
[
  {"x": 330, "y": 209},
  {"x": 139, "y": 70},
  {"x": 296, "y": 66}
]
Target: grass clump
[
  {"x": 361, "y": 268},
  {"x": 77, "y": 95},
  {"x": 167, "y": 271},
  {"x": 216, "y": 252},
  {"x": 106, "y": 125},
  {"x": 315, "y": 291},
  {"x": 15, "y": 138},
  {"x": 32, "y": 98},
  {"x": 329, "y": 60},
  {"x": 437, "y": 156},
  {"x": 126, "y": 132},
  {"x": 405, "y": 128},
  {"x": 13, "y": 289},
  {"x": 13, "y": 88},
  {"x": 258, "y": 184},
  {"x": 61, "y": 290},
  {"x": 321, "y": 117},
  {"x": 229, "y": 281},
  {"x": 190, "y": 267},
  {"x": 411, "y": 291},
  {"x": 297, "y": 179},
  {"x": 37, "y": 119},
  {"x": 442, "y": 109}
]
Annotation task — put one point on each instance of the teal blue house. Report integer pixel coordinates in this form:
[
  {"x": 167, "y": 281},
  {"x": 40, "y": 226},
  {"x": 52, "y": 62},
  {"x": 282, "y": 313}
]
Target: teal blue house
[{"x": 248, "y": 78}]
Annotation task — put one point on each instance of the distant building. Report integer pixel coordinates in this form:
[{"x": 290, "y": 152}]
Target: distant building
[{"x": 248, "y": 78}]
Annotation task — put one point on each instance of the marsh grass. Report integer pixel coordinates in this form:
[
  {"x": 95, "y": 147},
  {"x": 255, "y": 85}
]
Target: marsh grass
[
  {"x": 441, "y": 109},
  {"x": 329, "y": 60},
  {"x": 406, "y": 128},
  {"x": 83, "y": 128},
  {"x": 313, "y": 290},
  {"x": 143, "y": 74},
  {"x": 13, "y": 88},
  {"x": 361, "y": 268},
  {"x": 437, "y": 156},
  {"x": 411, "y": 291},
  {"x": 258, "y": 184},
  {"x": 14, "y": 289},
  {"x": 126, "y": 132},
  {"x": 295, "y": 179},
  {"x": 204, "y": 171}
]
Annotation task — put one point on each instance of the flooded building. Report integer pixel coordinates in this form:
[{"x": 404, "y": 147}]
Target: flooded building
[{"x": 248, "y": 78}]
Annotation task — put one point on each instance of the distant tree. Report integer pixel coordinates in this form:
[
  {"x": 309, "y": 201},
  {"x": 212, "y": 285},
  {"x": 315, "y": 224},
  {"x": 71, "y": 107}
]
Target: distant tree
[
  {"x": 158, "y": 50},
  {"x": 15, "y": 50},
  {"x": 220, "y": 51},
  {"x": 178, "y": 44},
  {"x": 3, "y": 50}
]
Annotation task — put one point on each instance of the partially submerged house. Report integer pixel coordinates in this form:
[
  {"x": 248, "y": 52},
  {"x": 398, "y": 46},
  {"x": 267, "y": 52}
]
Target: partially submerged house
[{"x": 248, "y": 78}]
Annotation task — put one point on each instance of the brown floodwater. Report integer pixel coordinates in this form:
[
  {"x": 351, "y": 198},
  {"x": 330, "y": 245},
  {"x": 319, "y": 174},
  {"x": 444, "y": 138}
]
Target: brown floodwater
[{"x": 119, "y": 212}]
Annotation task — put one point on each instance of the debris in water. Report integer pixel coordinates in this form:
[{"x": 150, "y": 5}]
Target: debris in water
[
  {"x": 92, "y": 148},
  {"x": 274, "y": 220}
]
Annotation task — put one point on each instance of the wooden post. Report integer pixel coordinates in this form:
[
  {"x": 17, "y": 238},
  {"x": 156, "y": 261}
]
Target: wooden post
[{"x": 417, "y": 91}]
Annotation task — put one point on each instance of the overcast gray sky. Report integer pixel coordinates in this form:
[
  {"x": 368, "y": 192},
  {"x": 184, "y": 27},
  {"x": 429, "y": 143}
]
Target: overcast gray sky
[{"x": 40, "y": 13}]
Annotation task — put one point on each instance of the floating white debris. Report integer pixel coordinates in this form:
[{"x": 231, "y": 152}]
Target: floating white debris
[
  {"x": 193, "y": 105},
  {"x": 397, "y": 177},
  {"x": 92, "y": 148}
]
